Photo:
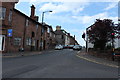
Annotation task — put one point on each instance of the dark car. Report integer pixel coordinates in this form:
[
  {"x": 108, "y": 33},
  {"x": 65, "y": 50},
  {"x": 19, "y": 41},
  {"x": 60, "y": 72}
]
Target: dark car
[
  {"x": 65, "y": 47},
  {"x": 77, "y": 47}
]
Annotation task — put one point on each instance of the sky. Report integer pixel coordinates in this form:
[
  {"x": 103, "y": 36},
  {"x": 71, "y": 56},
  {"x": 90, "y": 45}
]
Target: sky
[{"x": 74, "y": 16}]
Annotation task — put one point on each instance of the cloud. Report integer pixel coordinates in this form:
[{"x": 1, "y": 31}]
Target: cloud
[
  {"x": 89, "y": 20},
  {"x": 111, "y": 5},
  {"x": 74, "y": 7},
  {"x": 36, "y": 1}
]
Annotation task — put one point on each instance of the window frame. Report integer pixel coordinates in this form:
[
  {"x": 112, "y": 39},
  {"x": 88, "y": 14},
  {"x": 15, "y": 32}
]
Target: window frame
[
  {"x": 10, "y": 15},
  {"x": 17, "y": 41},
  {"x": 3, "y": 13}
]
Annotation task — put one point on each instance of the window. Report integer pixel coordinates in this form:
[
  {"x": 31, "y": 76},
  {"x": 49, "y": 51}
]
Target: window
[
  {"x": 62, "y": 36},
  {"x": 27, "y": 22},
  {"x": 28, "y": 41},
  {"x": 37, "y": 26},
  {"x": 2, "y": 13},
  {"x": 42, "y": 31},
  {"x": 17, "y": 41},
  {"x": 48, "y": 30},
  {"x": 2, "y": 42},
  {"x": 50, "y": 34},
  {"x": 10, "y": 16}
]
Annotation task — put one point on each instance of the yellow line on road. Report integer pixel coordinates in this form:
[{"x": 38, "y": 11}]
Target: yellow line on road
[{"x": 90, "y": 60}]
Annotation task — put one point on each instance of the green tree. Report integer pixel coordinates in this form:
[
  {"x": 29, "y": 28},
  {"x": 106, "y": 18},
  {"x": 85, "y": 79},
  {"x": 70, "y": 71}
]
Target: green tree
[{"x": 100, "y": 33}]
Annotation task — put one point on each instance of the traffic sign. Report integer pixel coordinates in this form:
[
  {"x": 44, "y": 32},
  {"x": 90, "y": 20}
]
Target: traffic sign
[{"x": 10, "y": 32}]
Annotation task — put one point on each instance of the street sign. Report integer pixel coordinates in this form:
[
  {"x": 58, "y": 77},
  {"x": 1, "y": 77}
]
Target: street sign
[{"x": 10, "y": 32}]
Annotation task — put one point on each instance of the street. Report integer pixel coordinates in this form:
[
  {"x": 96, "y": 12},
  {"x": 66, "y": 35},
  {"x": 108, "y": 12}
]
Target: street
[{"x": 55, "y": 64}]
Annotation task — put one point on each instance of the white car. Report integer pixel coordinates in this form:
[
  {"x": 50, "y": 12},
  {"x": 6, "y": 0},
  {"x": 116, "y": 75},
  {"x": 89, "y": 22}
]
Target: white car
[
  {"x": 58, "y": 47},
  {"x": 77, "y": 47}
]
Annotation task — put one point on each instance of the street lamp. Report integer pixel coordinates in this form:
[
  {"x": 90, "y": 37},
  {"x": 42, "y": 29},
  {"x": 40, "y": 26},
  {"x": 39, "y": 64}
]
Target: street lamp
[
  {"x": 43, "y": 19},
  {"x": 42, "y": 30},
  {"x": 43, "y": 15}
]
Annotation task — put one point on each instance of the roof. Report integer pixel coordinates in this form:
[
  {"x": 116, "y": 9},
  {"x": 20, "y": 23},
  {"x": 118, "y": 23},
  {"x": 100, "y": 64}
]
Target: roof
[{"x": 26, "y": 16}]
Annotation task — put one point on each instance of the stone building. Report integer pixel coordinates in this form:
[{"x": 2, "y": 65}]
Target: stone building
[{"x": 64, "y": 38}]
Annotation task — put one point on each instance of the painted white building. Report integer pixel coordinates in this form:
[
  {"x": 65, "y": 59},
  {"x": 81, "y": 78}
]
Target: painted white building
[{"x": 117, "y": 43}]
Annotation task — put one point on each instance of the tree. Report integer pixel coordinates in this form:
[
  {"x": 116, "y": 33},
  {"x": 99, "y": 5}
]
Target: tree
[{"x": 101, "y": 32}]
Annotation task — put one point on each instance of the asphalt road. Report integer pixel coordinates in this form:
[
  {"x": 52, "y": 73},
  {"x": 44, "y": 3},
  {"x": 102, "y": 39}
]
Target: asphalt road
[{"x": 55, "y": 64}]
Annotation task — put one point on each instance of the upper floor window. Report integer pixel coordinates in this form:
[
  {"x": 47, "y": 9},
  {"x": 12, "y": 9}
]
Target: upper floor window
[
  {"x": 10, "y": 16},
  {"x": 27, "y": 22},
  {"x": 48, "y": 30},
  {"x": 42, "y": 31},
  {"x": 2, "y": 13},
  {"x": 37, "y": 26}
]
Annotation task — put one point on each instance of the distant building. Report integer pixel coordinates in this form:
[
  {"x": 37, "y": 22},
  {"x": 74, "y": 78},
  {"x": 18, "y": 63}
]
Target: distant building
[
  {"x": 59, "y": 36},
  {"x": 64, "y": 38}
]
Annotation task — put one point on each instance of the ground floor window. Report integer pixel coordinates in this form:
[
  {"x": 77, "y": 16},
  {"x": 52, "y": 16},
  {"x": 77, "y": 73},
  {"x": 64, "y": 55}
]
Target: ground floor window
[
  {"x": 28, "y": 41},
  {"x": 17, "y": 41},
  {"x": 2, "y": 42}
]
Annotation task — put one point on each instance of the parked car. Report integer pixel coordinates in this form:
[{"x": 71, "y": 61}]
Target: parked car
[
  {"x": 71, "y": 46},
  {"x": 58, "y": 47},
  {"x": 68, "y": 46},
  {"x": 65, "y": 47},
  {"x": 77, "y": 47}
]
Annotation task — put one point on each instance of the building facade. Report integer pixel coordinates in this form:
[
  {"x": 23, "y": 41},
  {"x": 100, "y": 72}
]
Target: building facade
[
  {"x": 19, "y": 31},
  {"x": 64, "y": 38}
]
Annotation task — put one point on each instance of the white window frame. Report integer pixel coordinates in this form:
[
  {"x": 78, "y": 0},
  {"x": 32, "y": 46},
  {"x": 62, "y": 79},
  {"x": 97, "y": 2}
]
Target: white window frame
[
  {"x": 10, "y": 16},
  {"x": 27, "y": 22},
  {"x": 2, "y": 13},
  {"x": 28, "y": 41},
  {"x": 48, "y": 30},
  {"x": 37, "y": 26},
  {"x": 16, "y": 41}
]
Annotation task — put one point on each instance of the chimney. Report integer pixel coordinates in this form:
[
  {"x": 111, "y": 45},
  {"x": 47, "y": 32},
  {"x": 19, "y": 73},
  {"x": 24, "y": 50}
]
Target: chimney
[
  {"x": 36, "y": 18},
  {"x": 58, "y": 28},
  {"x": 32, "y": 12},
  {"x": 74, "y": 36},
  {"x": 68, "y": 34}
]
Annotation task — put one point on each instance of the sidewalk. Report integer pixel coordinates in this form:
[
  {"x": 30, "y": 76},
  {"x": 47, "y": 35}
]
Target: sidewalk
[
  {"x": 90, "y": 58},
  {"x": 25, "y": 53}
]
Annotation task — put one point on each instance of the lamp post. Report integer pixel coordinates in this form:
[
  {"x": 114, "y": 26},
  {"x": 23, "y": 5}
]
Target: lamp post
[
  {"x": 43, "y": 16},
  {"x": 42, "y": 30}
]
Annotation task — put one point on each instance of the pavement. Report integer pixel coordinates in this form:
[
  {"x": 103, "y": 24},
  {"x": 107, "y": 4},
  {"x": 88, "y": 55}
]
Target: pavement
[
  {"x": 90, "y": 58},
  {"x": 25, "y": 53}
]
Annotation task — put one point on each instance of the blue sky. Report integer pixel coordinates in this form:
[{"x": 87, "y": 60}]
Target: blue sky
[{"x": 72, "y": 16}]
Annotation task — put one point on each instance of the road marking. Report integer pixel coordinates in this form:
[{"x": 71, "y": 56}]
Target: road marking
[{"x": 110, "y": 65}]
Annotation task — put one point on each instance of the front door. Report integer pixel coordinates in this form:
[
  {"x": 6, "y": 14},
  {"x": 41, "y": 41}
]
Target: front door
[
  {"x": 37, "y": 47},
  {"x": 2, "y": 42}
]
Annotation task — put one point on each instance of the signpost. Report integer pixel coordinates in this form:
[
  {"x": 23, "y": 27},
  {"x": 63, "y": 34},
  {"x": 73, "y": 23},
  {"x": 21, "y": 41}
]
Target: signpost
[{"x": 9, "y": 34}]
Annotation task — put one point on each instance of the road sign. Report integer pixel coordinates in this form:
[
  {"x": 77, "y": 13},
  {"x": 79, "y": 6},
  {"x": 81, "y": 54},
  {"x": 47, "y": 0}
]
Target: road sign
[{"x": 10, "y": 32}]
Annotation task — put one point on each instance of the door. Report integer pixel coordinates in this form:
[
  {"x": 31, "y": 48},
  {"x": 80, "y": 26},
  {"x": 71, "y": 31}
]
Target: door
[
  {"x": 37, "y": 47},
  {"x": 2, "y": 43}
]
